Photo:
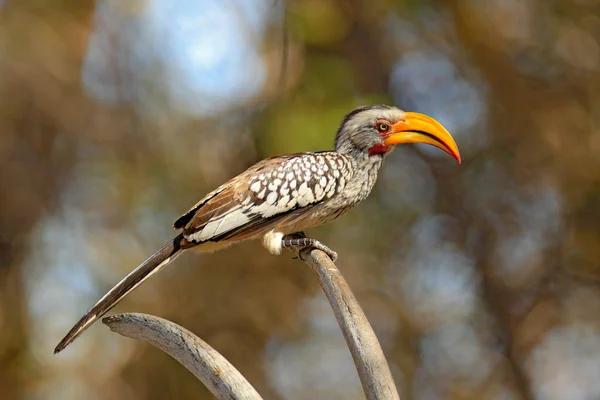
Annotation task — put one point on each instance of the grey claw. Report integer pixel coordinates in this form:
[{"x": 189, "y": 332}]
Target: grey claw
[
  {"x": 300, "y": 240},
  {"x": 333, "y": 256}
]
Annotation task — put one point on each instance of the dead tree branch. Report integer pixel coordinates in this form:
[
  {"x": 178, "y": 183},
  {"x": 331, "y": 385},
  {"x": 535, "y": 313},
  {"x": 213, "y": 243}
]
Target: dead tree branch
[
  {"x": 372, "y": 367},
  {"x": 210, "y": 367},
  {"x": 225, "y": 382}
]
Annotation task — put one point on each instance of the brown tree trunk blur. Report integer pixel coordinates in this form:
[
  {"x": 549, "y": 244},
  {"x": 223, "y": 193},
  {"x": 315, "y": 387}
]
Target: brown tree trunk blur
[
  {"x": 515, "y": 102},
  {"x": 42, "y": 46}
]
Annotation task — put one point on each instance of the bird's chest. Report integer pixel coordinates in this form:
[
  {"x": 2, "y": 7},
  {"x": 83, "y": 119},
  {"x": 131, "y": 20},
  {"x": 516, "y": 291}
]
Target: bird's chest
[
  {"x": 360, "y": 185},
  {"x": 357, "y": 188}
]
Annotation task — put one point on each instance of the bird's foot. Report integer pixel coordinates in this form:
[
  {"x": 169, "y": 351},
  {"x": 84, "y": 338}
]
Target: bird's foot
[{"x": 300, "y": 240}]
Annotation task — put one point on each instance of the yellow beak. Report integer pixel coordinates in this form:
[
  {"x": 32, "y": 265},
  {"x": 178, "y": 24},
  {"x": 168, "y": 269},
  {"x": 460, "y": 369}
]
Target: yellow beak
[{"x": 419, "y": 128}]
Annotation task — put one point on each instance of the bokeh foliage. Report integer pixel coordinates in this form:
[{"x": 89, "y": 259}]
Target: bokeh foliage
[{"x": 481, "y": 280}]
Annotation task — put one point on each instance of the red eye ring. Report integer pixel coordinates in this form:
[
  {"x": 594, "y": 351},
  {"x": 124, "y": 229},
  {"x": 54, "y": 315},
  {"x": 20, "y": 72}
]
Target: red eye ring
[{"x": 382, "y": 126}]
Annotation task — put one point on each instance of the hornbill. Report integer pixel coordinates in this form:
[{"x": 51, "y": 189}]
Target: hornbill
[{"x": 278, "y": 198}]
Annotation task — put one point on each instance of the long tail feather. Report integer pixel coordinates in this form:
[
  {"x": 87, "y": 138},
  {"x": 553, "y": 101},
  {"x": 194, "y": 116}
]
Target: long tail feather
[{"x": 145, "y": 270}]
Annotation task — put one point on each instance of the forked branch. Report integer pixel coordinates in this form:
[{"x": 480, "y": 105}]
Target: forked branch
[{"x": 225, "y": 382}]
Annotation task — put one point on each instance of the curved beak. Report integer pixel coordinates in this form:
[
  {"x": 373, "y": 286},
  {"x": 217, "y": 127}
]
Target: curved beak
[{"x": 419, "y": 128}]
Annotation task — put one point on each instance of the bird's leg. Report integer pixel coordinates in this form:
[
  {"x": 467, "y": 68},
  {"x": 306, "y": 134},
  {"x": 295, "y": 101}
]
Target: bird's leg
[{"x": 299, "y": 239}]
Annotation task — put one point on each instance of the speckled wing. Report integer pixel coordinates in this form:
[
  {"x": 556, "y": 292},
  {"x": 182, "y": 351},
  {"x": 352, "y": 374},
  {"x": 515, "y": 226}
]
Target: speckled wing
[{"x": 264, "y": 195}]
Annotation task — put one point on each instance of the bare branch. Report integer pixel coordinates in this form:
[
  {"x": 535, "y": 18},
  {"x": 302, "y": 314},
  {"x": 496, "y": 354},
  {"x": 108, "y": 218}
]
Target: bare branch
[
  {"x": 372, "y": 367},
  {"x": 210, "y": 367},
  {"x": 225, "y": 382}
]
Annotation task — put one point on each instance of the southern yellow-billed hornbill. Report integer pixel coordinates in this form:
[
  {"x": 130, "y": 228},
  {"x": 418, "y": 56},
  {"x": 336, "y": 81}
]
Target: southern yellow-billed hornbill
[{"x": 278, "y": 198}]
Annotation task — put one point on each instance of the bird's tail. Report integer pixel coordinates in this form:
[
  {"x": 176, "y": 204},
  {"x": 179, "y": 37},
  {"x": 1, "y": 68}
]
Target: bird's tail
[{"x": 145, "y": 270}]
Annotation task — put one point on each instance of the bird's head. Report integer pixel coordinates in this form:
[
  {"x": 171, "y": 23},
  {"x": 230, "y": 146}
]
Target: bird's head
[{"x": 377, "y": 129}]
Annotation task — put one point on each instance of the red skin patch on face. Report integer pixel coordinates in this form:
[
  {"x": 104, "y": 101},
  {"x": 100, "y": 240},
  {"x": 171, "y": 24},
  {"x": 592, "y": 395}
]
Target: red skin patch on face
[{"x": 379, "y": 148}]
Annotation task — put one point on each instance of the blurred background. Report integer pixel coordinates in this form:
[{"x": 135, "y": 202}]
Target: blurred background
[{"x": 481, "y": 280}]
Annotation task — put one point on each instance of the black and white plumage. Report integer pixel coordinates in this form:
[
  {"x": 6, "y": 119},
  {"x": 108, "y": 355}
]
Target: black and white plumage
[
  {"x": 286, "y": 195},
  {"x": 274, "y": 192}
]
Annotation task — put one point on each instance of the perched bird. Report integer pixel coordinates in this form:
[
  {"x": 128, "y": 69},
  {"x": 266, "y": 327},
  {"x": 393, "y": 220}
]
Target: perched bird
[{"x": 278, "y": 198}]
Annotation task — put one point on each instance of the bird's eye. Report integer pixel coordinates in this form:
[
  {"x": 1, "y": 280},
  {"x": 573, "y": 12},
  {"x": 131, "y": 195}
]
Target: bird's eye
[{"x": 382, "y": 126}]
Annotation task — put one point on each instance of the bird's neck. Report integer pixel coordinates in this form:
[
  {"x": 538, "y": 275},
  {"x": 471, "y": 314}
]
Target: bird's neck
[
  {"x": 366, "y": 169},
  {"x": 366, "y": 161}
]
